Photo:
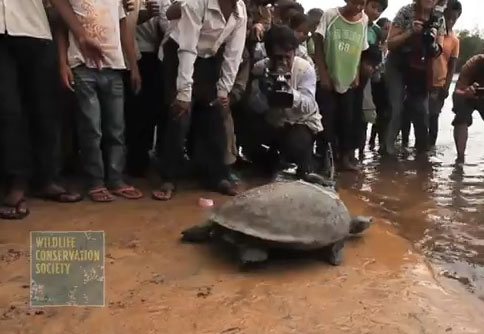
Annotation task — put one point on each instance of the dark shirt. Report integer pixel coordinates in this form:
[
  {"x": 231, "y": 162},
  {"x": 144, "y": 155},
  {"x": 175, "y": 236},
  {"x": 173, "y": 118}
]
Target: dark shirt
[{"x": 472, "y": 71}]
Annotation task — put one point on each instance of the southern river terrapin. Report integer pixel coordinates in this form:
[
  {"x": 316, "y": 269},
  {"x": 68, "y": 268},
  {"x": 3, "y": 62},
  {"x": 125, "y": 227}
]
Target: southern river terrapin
[{"x": 291, "y": 215}]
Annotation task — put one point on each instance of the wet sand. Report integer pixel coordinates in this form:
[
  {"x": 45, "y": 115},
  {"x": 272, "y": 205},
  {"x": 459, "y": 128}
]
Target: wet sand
[{"x": 155, "y": 284}]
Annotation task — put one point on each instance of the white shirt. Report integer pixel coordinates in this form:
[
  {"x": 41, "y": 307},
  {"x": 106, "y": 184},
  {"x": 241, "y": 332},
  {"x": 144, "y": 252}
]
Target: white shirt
[
  {"x": 149, "y": 33},
  {"x": 24, "y": 18},
  {"x": 304, "y": 110},
  {"x": 201, "y": 31},
  {"x": 100, "y": 19}
]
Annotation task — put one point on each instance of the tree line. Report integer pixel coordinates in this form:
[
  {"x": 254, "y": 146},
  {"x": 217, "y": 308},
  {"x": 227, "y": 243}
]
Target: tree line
[{"x": 471, "y": 43}]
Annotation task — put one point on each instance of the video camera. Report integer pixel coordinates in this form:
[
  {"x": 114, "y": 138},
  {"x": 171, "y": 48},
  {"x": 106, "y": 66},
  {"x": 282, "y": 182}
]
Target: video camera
[
  {"x": 279, "y": 92},
  {"x": 436, "y": 21}
]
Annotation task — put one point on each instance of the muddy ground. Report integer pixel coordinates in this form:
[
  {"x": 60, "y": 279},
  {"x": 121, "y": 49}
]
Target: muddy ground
[{"x": 155, "y": 284}]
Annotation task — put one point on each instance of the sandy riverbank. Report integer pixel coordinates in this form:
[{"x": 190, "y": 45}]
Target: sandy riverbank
[{"x": 154, "y": 284}]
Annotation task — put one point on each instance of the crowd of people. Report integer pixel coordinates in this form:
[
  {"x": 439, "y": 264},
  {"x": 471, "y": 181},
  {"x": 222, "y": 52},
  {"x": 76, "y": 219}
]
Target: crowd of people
[{"x": 206, "y": 83}]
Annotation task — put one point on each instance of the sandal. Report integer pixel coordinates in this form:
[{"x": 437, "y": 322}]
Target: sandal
[
  {"x": 127, "y": 192},
  {"x": 62, "y": 197},
  {"x": 101, "y": 195},
  {"x": 166, "y": 192},
  {"x": 17, "y": 213}
]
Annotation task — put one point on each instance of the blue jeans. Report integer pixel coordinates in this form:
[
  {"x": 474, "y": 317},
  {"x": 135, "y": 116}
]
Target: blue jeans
[{"x": 100, "y": 125}]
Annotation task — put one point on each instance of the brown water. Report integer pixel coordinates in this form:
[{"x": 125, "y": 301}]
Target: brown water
[{"x": 435, "y": 204}]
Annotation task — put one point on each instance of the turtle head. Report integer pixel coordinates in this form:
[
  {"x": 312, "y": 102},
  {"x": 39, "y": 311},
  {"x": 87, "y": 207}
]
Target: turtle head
[{"x": 359, "y": 223}]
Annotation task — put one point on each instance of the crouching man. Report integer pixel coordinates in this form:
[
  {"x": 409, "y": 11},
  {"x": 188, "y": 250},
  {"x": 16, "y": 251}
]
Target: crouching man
[
  {"x": 283, "y": 93},
  {"x": 468, "y": 96}
]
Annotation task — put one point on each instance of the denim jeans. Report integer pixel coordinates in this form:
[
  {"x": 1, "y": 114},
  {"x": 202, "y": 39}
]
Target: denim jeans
[
  {"x": 100, "y": 124},
  {"x": 30, "y": 120},
  {"x": 402, "y": 99}
]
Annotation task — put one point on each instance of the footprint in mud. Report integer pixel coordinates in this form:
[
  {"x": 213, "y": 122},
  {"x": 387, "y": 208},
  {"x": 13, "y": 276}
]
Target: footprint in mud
[
  {"x": 12, "y": 255},
  {"x": 204, "y": 291}
]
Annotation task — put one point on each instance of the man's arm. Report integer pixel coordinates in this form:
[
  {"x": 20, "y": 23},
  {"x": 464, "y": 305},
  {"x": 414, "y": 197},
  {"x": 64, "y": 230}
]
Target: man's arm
[
  {"x": 465, "y": 85},
  {"x": 127, "y": 42},
  {"x": 320, "y": 61},
  {"x": 451, "y": 67},
  {"x": 188, "y": 29},
  {"x": 234, "y": 48},
  {"x": 61, "y": 34},
  {"x": 90, "y": 48},
  {"x": 305, "y": 93}
]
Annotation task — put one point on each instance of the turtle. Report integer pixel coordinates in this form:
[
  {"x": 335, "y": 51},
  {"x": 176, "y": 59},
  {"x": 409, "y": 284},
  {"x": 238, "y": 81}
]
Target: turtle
[{"x": 296, "y": 215}]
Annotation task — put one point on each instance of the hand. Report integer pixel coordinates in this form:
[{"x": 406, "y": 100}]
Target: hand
[
  {"x": 326, "y": 84},
  {"x": 128, "y": 5},
  {"x": 224, "y": 102},
  {"x": 355, "y": 82},
  {"x": 67, "y": 78},
  {"x": 471, "y": 90},
  {"x": 153, "y": 8},
  {"x": 417, "y": 27},
  {"x": 91, "y": 50},
  {"x": 135, "y": 79},
  {"x": 178, "y": 108},
  {"x": 444, "y": 93},
  {"x": 258, "y": 32}
]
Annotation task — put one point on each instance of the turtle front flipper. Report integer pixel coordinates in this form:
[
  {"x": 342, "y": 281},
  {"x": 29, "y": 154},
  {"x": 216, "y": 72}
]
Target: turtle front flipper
[
  {"x": 334, "y": 254},
  {"x": 359, "y": 224},
  {"x": 198, "y": 233}
]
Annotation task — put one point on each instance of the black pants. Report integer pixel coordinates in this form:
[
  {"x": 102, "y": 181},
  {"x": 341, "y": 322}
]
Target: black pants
[
  {"x": 380, "y": 98},
  {"x": 416, "y": 112},
  {"x": 339, "y": 119},
  {"x": 29, "y": 118},
  {"x": 295, "y": 142},
  {"x": 206, "y": 122},
  {"x": 143, "y": 112}
]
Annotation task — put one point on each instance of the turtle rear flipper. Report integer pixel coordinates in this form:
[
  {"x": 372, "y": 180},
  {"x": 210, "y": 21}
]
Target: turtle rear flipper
[
  {"x": 250, "y": 255},
  {"x": 359, "y": 224},
  {"x": 198, "y": 233}
]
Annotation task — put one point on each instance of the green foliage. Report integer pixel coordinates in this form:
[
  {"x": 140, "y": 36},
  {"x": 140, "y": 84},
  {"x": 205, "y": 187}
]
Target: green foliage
[{"x": 471, "y": 43}]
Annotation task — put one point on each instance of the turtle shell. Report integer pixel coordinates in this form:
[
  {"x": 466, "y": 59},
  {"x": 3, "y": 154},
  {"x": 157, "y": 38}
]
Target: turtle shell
[{"x": 297, "y": 213}]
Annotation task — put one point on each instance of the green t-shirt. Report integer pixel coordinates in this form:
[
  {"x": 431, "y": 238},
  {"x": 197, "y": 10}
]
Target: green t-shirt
[
  {"x": 374, "y": 34},
  {"x": 343, "y": 43}
]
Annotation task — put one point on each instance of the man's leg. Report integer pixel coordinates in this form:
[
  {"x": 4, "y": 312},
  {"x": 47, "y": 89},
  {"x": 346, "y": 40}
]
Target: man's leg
[
  {"x": 13, "y": 133},
  {"x": 463, "y": 109},
  {"x": 396, "y": 91},
  {"x": 327, "y": 103},
  {"x": 111, "y": 96},
  {"x": 347, "y": 127},
  {"x": 436, "y": 102},
  {"x": 89, "y": 131},
  {"x": 296, "y": 145},
  {"x": 176, "y": 128},
  {"x": 211, "y": 134},
  {"x": 42, "y": 89},
  {"x": 418, "y": 106}
]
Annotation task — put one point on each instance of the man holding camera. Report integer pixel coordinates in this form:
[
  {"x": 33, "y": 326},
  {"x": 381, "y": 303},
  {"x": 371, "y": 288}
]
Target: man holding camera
[
  {"x": 284, "y": 91},
  {"x": 468, "y": 96}
]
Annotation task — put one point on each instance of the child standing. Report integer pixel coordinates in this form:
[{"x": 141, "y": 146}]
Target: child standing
[
  {"x": 99, "y": 91},
  {"x": 364, "y": 104},
  {"x": 300, "y": 25},
  {"x": 340, "y": 38}
]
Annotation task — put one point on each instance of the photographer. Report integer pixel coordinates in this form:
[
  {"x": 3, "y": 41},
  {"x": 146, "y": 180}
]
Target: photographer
[
  {"x": 468, "y": 96},
  {"x": 415, "y": 39},
  {"x": 283, "y": 91}
]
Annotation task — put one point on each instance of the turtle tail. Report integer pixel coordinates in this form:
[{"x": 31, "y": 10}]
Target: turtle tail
[{"x": 359, "y": 224}]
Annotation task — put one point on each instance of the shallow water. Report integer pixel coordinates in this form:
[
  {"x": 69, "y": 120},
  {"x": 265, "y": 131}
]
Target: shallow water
[{"x": 434, "y": 204}]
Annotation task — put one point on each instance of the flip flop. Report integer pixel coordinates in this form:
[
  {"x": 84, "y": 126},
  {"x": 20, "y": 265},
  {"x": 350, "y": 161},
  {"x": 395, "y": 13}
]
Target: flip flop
[
  {"x": 225, "y": 187},
  {"x": 17, "y": 215},
  {"x": 62, "y": 197},
  {"x": 166, "y": 192},
  {"x": 96, "y": 195},
  {"x": 127, "y": 192}
]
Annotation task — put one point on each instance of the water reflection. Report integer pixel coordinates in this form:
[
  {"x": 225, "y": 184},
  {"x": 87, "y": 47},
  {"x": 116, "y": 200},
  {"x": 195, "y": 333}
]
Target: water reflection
[{"x": 435, "y": 204}]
